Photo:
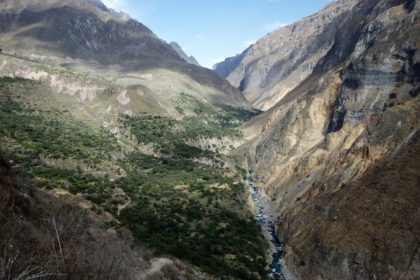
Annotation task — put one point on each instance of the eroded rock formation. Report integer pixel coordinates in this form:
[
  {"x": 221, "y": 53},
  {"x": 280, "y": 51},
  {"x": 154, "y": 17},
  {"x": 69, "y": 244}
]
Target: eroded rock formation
[{"x": 338, "y": 153}]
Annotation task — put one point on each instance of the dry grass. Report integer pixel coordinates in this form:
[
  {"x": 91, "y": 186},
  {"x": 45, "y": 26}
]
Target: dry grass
[
  {"x": 6, "y": 192},
  {"x": 43, "y": 237}
]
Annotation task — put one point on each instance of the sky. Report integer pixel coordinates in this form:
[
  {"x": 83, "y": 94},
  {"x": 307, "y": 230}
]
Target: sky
[{"x": 212, "y": 30}]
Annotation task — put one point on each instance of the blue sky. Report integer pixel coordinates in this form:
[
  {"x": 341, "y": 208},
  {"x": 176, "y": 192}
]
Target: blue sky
[{"x": 212, "y": 30}]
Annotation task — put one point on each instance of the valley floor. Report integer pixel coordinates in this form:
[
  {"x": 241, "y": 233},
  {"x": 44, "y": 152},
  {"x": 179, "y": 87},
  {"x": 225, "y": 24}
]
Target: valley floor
[{"x": 154, "y": 178}]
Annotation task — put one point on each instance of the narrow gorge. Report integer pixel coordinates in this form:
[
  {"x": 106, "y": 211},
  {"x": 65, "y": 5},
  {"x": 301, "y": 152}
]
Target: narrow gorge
[
  {"x": 121, "y": 157},
  {"x": 321, "y": 150},
  {"x": 266, "y": 219}
]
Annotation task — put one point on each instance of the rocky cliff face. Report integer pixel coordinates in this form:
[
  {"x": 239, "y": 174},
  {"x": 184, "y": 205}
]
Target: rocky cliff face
[
  {"x": 226, "y": 67},
  {"x": 280, "y": 61},
  {"x": 337, "y": 153}
]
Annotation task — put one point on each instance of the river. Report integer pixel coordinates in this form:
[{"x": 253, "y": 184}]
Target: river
[{"x": 267, "y": 222}]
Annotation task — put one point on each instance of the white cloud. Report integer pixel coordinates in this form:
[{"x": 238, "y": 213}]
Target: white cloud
[
  {"x": 269, "y": 27},
  {"x": 114, "y": 4}
]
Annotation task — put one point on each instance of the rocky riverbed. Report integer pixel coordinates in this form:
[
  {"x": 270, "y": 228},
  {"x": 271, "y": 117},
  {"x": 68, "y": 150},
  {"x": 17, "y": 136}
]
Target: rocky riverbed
[{"x": 266, "y": 220}]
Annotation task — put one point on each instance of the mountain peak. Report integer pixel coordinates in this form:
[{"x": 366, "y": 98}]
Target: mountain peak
[
  {"x": 272, "y": 66},
  {"x": 190, "y": 59},
  {"x": 94, "y": 6},
  {"x": 99, "y": 4},
  {"x": 74, "y": 32}
]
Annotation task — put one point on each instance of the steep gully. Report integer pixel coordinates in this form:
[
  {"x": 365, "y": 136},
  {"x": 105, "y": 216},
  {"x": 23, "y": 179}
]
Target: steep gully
[{"x": 267, "y": 222}]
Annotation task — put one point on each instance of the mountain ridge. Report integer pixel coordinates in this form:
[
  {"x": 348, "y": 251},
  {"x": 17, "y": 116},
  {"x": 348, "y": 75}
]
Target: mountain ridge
[
  {"x": 79, "y": 31},
  {"x": 316, "y": 152},
  {"x": 94, "y": 106},
  {"x": 100, "y": 112},
  {"x": 190, "y": 59},
  {"x": 272, "y": 66}
]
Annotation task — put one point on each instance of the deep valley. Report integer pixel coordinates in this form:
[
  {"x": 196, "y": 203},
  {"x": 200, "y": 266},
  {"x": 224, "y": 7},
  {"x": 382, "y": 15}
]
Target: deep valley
[{"x": 122, "y": 158}]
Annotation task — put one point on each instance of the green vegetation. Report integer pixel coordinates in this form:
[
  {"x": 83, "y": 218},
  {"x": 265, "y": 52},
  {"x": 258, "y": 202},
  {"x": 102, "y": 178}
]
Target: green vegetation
[
  {"x": 153, "y": 129},
  {"x": 53, "y": 133},
  {"x": 224, "y": 114},
  {"x": 5, "y": 81},
  {"x": 174, "y": 204},
  {"x": 214, "y": 119},
  {"x": 180, "y": 208}
]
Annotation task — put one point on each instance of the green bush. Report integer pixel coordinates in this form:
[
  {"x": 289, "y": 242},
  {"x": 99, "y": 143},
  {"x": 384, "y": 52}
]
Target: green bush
[{"x": 176, "y": 206}]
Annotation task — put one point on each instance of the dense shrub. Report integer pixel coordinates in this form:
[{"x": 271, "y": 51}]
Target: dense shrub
[{"x": 175, "y": 205}]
